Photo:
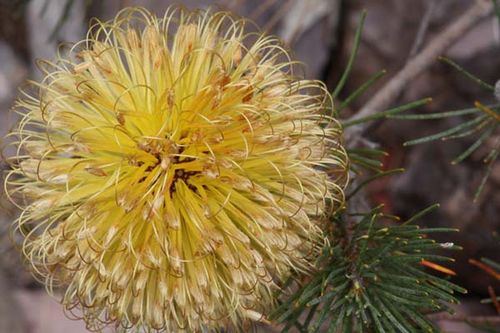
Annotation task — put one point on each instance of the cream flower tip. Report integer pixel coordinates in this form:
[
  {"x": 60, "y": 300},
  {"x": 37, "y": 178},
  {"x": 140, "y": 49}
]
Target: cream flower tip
[{"x": 173, "y": 171}]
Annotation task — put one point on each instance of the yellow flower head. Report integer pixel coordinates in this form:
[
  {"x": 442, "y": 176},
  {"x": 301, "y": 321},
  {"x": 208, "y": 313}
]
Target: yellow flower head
[{"x": 174, "y": 171}]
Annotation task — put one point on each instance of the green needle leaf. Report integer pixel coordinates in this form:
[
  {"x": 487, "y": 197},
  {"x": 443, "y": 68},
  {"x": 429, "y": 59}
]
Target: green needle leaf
[
  {"x": 472, "y": 77},
  {"x": 354, "y": 52},
  {"x": 443, "y": 134}
]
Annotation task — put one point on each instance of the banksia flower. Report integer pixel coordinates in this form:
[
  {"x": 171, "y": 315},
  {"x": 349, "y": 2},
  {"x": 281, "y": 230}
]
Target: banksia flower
[{"x": 173, "y": 172}]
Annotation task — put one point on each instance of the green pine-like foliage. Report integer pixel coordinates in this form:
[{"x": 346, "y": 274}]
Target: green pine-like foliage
[{"x": 371, "y": 279}]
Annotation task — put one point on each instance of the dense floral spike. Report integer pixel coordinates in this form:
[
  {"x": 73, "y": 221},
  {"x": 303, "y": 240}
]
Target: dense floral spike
[{"x": 174, "y": 171}]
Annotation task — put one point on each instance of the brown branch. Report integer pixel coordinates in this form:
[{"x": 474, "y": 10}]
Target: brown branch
[
  {"x": 422, "y": 28},
  {"x": 392, "y": 89}
]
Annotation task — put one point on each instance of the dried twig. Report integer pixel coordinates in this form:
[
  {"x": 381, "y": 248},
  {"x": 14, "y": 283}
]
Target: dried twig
[
  {"x": 478, "y": 11},
  {"x": 422, "y": 29}
]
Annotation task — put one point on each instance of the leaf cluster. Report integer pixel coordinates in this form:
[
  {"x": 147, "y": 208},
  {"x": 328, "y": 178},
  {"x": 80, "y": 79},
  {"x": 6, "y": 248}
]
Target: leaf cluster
[
  {"x": 480, "y": 123},
  {"x": 372, "y": 279}
]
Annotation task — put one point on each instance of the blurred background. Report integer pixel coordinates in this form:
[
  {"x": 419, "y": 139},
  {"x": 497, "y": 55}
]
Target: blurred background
[{"x": 320, "y": 33}]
